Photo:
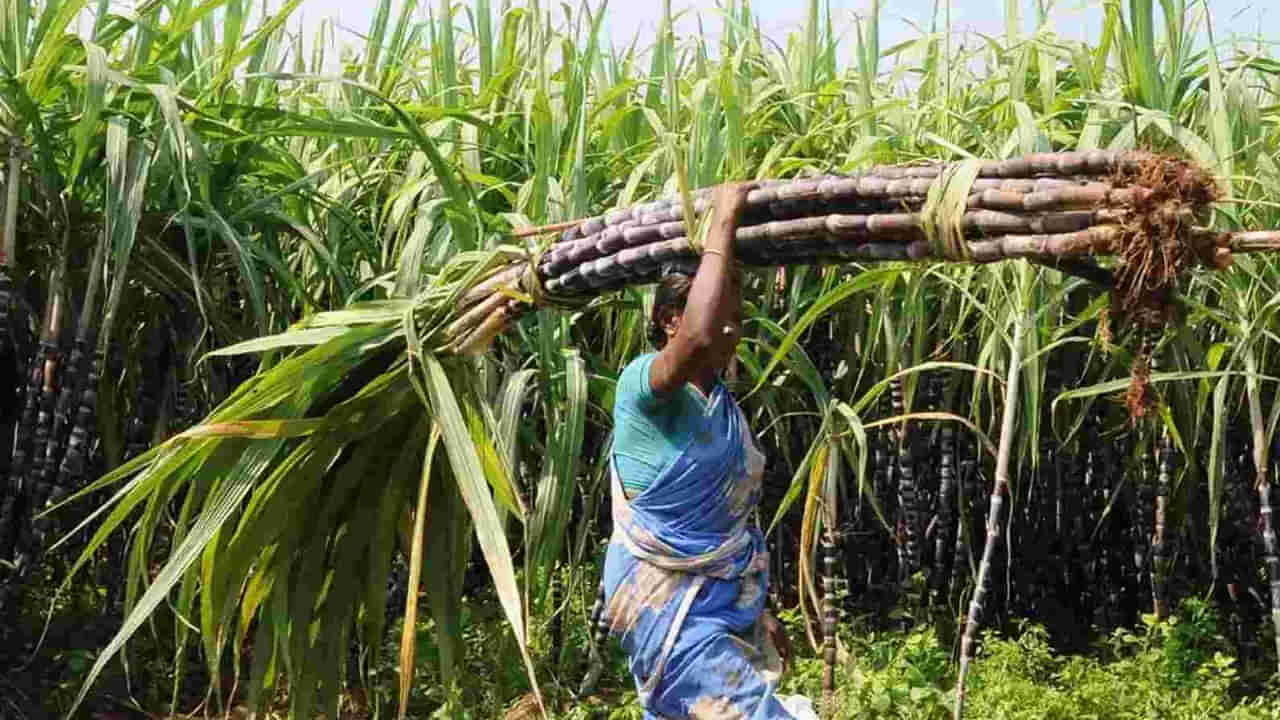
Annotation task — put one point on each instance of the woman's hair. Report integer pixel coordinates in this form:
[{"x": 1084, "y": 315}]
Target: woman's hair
[{"x": 669, "y": 301}]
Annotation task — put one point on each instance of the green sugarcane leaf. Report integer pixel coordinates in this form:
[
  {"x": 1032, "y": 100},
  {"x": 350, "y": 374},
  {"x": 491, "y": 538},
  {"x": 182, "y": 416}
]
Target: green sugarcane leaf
[
  {"x": 1115, "y": 386},
  {"x": 469, "y": 476},
  {"x": 863, "y": 282},
  {"x": 217, "y": 511},
  {"x": 293, "y": 338}
]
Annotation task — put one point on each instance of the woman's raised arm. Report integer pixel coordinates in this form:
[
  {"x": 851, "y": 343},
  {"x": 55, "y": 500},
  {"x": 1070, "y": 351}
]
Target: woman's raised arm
[{"x": 714, "y": 302}]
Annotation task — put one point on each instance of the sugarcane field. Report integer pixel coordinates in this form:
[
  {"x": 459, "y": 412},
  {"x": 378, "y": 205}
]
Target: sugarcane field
[{"x": 671, "y": 360}]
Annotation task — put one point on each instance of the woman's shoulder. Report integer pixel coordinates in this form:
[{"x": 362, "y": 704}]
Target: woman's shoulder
[
  {"x": 639, "y": 361},
  {"x": 634, "y": 378}
]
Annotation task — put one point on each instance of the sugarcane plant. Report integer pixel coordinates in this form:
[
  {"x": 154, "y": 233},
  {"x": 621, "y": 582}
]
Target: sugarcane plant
[{"x": 354, "y": 284}]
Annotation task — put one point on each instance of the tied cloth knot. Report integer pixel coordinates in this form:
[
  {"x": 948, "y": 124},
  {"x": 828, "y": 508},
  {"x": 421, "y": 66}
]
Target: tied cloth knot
[{"x": 942, "y": 218}]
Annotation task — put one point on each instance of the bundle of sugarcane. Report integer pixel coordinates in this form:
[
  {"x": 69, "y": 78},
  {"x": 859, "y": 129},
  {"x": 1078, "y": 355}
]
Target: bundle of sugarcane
[{"x": 1145, "y": 210}]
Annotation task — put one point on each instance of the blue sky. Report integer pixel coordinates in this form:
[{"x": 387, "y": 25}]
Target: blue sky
[{"x": 1075, "y": 19}]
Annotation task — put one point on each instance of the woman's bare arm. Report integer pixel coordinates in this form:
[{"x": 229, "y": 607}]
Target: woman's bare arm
[{"x": 684, "y": 357}]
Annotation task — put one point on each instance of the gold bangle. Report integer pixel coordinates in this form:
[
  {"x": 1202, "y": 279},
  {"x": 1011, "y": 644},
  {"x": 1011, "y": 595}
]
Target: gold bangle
[{"x": 713, "y": 252}]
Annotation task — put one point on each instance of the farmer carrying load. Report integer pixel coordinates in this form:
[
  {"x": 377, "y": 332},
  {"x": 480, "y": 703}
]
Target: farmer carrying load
[{"x": 686, "y": 573}]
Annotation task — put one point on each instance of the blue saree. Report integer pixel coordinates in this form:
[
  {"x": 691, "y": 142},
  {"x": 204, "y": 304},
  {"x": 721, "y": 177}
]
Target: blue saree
[{"x": 686, "y": 575}]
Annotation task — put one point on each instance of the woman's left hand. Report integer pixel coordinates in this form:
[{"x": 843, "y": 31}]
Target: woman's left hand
[{"x": 778, "y": 636}]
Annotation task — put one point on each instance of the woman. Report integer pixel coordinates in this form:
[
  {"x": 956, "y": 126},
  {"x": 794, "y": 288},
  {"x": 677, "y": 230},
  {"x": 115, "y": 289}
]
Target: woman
[{"x": 686, "y": 573}]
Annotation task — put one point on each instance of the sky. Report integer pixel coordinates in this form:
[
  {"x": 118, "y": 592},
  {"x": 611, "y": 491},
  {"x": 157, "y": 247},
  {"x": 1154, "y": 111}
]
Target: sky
[{"x": 1074, "y": 19}]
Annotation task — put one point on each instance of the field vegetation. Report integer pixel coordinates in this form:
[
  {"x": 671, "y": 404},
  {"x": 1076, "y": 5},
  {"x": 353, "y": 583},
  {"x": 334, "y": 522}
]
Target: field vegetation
[{"x": 241, "y": 466}]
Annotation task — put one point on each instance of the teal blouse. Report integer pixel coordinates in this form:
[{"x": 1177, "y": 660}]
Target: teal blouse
[{"x": 648, "y": 432}]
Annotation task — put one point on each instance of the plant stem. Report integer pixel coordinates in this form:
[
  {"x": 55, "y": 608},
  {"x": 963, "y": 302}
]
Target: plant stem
[
  {"x": 12, "y": 198},
  {"x": 828, "y": 614},
  {"x": 993, "y": 513},
  {"x": 1263, "y": 487}
]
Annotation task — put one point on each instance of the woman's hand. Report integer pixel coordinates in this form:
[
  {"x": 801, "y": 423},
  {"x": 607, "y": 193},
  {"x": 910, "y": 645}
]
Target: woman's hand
[
  {"x": 727, "y": 202},
  {"x": 778, "y": 636}
]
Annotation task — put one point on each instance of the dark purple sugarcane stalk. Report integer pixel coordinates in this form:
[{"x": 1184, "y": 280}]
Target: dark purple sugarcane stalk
[
  {"x": 903, "y": 486},
  {"x": 599, "y": 633},
  {"x": 1269, "y": 544},
  {"x": 71, "y": 472},
  {"x": 829, "y": 556},
  {"x": 944, "y": 543},
  {"x": 1159, "y": 541},
  {"x": 14, "y": 504},
  {"x": 70, "y": 399},
  {"x": 8, "y": 362},
  {"x": 35, "y": 485}
]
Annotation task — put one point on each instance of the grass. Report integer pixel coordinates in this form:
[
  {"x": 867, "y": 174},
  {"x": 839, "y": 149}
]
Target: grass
[{"x": 1182, "y": 667}]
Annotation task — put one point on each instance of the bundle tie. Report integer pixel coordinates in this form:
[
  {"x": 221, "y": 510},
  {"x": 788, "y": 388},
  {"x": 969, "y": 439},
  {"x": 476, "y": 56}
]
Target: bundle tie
[
  {"x": 538, "y": 294},
  {"x": 942, "y": 218}
]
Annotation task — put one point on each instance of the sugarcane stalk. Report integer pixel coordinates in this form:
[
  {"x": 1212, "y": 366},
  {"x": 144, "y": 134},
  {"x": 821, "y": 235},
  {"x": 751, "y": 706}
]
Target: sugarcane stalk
[
  {"x": 1085, "y": 563},
  {"x": 829, "y": 554},
  {"x": 1159, "y": 559},
  {"x": 12, "y": 197},
  {"x": 998, "y": 493},
  {"x": 74, "y": 378},
  {"x": 1269, "y": 544},
  {"x": 1144, "y": 500},
  {"x": 13, "y": 505},
  {"x": 81, "y": 388},
  {"x": 71, "y": 471},
  {"x": 599, "y": 636},
  {"x": 943, "y": 551},
  {"x": 146, "y": 409},
  {"x": 882, "y": 479},
  {"x": 908, "y": 512},
  {"x": 962, "y": 554},
  {"x": 9, "y": 379},
  {"x": 1252, "y": 241},
  {"x": 1262, "y": 485},
  {"x": 805, "y": 245},
  {"x": 43, "y": 462},
  {"x": 991, "y": 214},
  {"x": 838, "y": 238},
  {"x": 1024, "y": 174},
  {"x": 557, "y": 617},
  {"x": 1087, "y": 206},
  {"x": 10, "y": 483},
  {"x": 893, "y": 484},
  {"x": 8, "y": 343}
]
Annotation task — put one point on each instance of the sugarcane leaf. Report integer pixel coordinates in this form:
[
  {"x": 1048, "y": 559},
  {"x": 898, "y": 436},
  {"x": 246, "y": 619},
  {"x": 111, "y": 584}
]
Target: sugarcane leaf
[
  {"x": 1114, "y": 386},
  {"x": 874, "y": 392},
  {"x": 95, "y": 98},
  {"x": 408, "y": 637},
  {"x": 293, "y": 338},
  {"x": 469, "y": 476},
  {"x": 556, "y": 490},
  {"x": 383, "y": 545},
  {"x": 515, "y": 390},
  {"x": 256, "y": 429},
  {"x": 858, "y": 459},
  {"x": 802, "y": 474},
  {"x": 217, "y": 511},
  {"x": 863, "y": 282},
  {"x": 985, "y": 441},
  {"x": 798, "y": 361},
  {"x": 825, "y": 463}
]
